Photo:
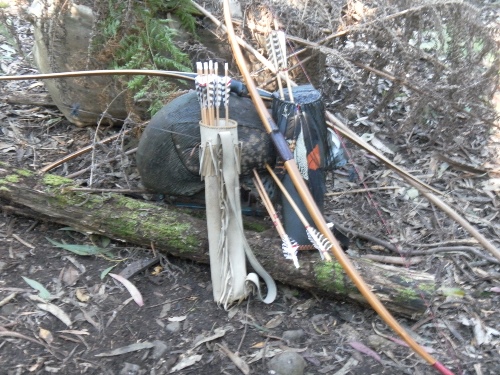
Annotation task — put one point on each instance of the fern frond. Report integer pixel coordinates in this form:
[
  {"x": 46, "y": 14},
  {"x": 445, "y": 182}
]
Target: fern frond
[{"x": 146, "y": 41}]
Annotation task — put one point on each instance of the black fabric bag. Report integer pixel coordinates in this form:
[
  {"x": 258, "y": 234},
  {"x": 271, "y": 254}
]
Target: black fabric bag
[
  {"x": 167, "y": 156},
  {"x": 303, "y": 124}
]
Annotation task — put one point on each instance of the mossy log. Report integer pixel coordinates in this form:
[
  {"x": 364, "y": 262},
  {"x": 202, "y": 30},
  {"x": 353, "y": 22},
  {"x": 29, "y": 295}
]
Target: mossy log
[{"x": 179, "y": 233}]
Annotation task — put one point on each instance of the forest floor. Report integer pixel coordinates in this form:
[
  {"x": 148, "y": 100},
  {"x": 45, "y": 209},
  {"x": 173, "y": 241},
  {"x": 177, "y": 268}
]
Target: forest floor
[{"x": 92, "y": 325}]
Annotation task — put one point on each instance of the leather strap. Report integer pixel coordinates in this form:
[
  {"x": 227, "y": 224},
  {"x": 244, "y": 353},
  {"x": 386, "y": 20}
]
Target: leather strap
[{"x": 232, "y": 187}]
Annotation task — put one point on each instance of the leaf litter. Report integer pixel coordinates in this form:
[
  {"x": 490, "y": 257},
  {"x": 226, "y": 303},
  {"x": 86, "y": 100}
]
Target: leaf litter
[{"x": 134, "y": 292}]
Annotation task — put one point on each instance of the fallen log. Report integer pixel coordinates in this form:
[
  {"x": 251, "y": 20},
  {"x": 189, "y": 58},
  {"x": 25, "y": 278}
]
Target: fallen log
[{"x": 177, "y": 232}]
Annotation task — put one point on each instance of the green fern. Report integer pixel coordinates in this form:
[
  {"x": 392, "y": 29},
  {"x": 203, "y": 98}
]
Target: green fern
[{"x": 145, "y": 41}]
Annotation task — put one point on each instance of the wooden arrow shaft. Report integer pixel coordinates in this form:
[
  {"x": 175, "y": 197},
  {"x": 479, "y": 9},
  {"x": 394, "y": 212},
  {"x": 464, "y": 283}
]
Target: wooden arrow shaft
[
  {"x": 269, "y": 205},
  {"x": 298, "y": 212}
]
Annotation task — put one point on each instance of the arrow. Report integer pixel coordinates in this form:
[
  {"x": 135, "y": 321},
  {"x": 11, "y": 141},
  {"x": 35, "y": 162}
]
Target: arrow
[{"x": 288, "y": 245}]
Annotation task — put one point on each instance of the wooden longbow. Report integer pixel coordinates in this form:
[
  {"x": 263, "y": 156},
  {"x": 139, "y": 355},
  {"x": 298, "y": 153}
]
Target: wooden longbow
[
  {"x": 294, "y": 173},
  {"x": 236, "y": 86}
]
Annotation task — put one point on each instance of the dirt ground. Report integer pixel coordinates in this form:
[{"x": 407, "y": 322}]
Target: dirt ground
[{"x": 91, "y": 325}]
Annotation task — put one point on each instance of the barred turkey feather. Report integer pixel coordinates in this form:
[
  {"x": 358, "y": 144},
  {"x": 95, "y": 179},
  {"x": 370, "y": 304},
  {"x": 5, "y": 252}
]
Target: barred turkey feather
[
  {"x": 300, "y": 155},
  {"x": 319, "y": 241},
  {"x": 290, "y": 248}
]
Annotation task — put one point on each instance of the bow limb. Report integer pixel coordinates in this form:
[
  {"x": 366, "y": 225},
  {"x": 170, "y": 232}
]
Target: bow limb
[
  {"x": 160, "y": 73},
  {"x": 312, "y": 208},
  {"x": 236, "y": 86}
]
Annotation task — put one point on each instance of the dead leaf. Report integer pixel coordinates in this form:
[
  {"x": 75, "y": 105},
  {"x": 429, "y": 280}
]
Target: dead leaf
[
  {"x": 267, "y": 351},
  {"x": 241, "y": 364},
  {"x": 275, "y": 322},
  {"x": 411, "y": 194},
  {"x": 7, "y": 299},
  {"x": 70, "y": 275},
  {"x": 381, "y": 146},
  {"x": 482, "y": 333},
  {"x": 127, "y": 349},
  {"x": 186, "y": 361},
  {"x": 165, "y": 309},
  {"x": 346, "y": 369},
  {"x": 82, "y": 295},
  {"x": 177, "y": 318},
  {"x": 218, "y": 333},
  {"x": 18, "y": 335},
  {"x": 75, "y": 331},
  {"x": 134, "y": 292},
  {"x": 37, "y": 366},
  {"x": 46, "y": 335},
  {"x": 87, "y": 315},
  {"x": 56, "y": 311},
  {"x": 138, "y": 266},
  {"x": 360, "y": 347},
  {"x": 493, "y": 184},
  {"x": 232, "y": 312},
  {"x": 259, "y": 345},
  {"x": 76, "y": 263},
  {"x": 442, "y": 168}
]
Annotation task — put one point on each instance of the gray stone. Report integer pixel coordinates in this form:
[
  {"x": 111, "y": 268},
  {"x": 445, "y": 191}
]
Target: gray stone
[
  {"x": 173, "y": 327},
  {"x": 160, "y": 347},
  {"x": 62, "y": 39},
  {"x": 288, "y": 363},
  {"x": 130, "y": 369},
  {"x": 295, "y": 336},
  {"x": 8, "y": 309}
]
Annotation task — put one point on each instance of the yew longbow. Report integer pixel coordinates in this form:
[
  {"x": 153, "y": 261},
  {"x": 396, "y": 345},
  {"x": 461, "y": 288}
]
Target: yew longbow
[{"x": 294, "y": 173}]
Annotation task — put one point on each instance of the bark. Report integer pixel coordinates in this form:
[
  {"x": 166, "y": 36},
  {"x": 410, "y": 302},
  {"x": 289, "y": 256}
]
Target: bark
[{"x": 181, "y": 234}]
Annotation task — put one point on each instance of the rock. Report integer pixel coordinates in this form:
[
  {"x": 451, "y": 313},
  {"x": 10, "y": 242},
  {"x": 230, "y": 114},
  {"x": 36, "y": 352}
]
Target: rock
[
  {"x": 173, "y": 327},
  {"x": 293, "y": 336},
  {"x": 379, "y": 343},
  {"x": 62, "y": 38},
  {"x": 288, "y": 363},
  {"x": 235, "y": 9},
  {"x": 160, "y": 347},
  {"x": 8, "y": 309},
  {"x": 130, "y": 369}
]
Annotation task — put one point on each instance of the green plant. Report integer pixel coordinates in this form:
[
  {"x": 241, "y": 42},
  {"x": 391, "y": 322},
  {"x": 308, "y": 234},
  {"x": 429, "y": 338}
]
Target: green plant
[{"x": 137, "y": 35}]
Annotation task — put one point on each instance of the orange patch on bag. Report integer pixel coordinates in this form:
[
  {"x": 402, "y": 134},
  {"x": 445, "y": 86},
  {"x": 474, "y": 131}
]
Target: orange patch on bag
[{"x": 314, "y": 159}]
